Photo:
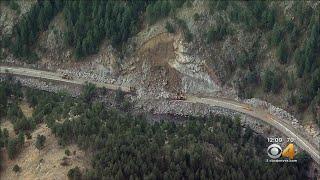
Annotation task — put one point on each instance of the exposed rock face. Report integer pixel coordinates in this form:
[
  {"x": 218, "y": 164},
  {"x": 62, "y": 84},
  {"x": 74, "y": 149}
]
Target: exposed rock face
[{"x": 195, "y": 79}]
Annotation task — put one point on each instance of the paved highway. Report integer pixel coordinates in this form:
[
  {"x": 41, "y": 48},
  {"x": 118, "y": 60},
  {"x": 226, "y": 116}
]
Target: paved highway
[{"x": 282, "y": 126}]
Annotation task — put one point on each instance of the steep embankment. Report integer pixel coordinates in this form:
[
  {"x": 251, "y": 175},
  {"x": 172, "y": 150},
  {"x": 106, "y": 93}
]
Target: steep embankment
[
  {"x": 285, "y": 126},
  {"x": 225, "y": 49}
]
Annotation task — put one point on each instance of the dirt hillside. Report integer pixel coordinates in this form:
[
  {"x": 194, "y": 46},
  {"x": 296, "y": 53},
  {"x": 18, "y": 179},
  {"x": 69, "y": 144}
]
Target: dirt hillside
[{"x": 46, "y": 163}]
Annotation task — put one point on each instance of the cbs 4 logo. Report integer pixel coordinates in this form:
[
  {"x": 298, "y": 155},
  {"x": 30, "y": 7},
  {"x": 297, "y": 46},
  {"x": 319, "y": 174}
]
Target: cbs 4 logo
[{"x": 275, "y": 151}]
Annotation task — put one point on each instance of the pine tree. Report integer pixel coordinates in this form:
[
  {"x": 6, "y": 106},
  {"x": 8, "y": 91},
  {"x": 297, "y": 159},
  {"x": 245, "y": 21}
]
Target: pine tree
[
  {"x": 40, "y": 141},
  {"x": 21, "y": 139},
  {"x": 282, "y": 53},
  {"x": 12, "y": 148}
]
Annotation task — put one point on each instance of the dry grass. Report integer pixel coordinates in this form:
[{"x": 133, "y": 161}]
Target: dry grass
[
  {"x": 27, "y": 111},
  {"x": 6, "y": 124},
  {"x": 46, "y": 163}
]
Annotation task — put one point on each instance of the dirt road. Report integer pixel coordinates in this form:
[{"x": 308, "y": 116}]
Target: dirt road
[
  {"x": 55, "y": 77},
  {"x": 284, "y": 127}
]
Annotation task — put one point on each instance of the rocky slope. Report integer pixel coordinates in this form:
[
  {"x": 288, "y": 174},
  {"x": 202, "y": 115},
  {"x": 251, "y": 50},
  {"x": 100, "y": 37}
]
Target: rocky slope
[{"x": 160, "y": 64}]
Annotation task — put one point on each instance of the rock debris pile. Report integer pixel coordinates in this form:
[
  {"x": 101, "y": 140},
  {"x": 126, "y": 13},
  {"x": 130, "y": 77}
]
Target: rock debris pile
[{"x": 286, "y": 117}]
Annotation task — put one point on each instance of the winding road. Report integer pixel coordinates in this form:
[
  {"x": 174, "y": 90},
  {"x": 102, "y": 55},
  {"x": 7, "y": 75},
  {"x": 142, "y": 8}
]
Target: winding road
[
  {"x": 284, "y": 127},
  {"x": 55, "y": 77}
]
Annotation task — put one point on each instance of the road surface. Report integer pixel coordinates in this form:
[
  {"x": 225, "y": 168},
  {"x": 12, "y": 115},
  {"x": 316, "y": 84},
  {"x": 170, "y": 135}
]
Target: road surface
[
  {"x": 284, "y": 127},
  {"x": 56, "y": 77}
]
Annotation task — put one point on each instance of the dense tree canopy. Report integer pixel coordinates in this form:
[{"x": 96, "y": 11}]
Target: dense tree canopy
[
  {"x": 271, "y": 81},
  {"x": 25, "y": 33},
  {"x": 89, "y": 22},
  {"x": 127, "y": 146},
  {"x": 294, "y": 41}
]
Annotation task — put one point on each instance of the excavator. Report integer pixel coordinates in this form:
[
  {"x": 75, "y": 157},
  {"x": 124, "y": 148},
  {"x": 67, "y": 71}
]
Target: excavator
[
  {"x": 66, "y": 76},
  {"x": 179, "y": 95}
]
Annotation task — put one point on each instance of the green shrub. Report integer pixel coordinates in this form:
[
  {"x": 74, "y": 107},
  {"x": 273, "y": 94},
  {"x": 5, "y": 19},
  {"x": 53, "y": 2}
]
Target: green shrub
[
  {"x": 276, "y": 35},
  {"x": 196, "y": 17},
  {"x": 88, "y": 92},
  {"x": 20, "y": 139},
  {"x": 247, "y": 59},
  {"x": 14, "y": 112},
  {"x": 251, "y": 78},
  {"x": 29, "y": 136},
  {"x": 217, "y": 33},
  {"x": 268, "y": 18},
  {"x": 5, "y": 41},
  {"x": 74, "y": 173},
  {"x": 282, "y": 53},
  {"x": 291, "y": 99},
  {"x": 218, "y": 5},
  {"x": 12, "y": 148},
  {"x": 157, "y": 10},
  {"x": 14, "y": 5},
  {"x": 67, "y": 152},
  {"x": 271, "y": 81},
  {"x": 40, "y": 141},
  {"x": 188, "y": 36},
  {"x": 23, "y": 124},
  {"x": 291, "y": 81},
  {"x": 176, "y": 3},
  {"x": 169, "y": 27},
  {"x": 16, "y": 168},
  {"x": 32, "y": 57},
  {"x": 119, "y": 96}
]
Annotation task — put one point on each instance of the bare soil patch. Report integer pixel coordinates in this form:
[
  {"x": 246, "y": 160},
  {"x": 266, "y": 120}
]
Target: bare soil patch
[
  {"x": 157, "y": 52},
  {"x": 6, "y": 124},
  {"x": 26, "y": 109}
]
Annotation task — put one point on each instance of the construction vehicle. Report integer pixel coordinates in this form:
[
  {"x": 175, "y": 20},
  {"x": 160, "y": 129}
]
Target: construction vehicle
[
  {"x": 132, "y": 89},
  {"x": 180, "y": 96},
  {"x": 66, "y": 76}
]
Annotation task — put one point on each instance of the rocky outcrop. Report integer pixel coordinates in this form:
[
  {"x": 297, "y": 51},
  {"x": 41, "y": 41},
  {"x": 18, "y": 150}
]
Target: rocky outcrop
[{"x": 195, "y": 79}]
